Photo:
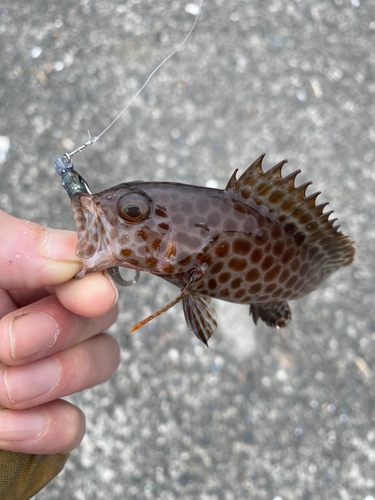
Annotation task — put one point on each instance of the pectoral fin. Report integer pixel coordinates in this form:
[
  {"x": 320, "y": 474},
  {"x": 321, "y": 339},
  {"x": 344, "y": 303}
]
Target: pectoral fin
[
  {"x": 200, "y": 316},
  {"x": 194, "y": 279},
  {"x": 274, "y": 314}
]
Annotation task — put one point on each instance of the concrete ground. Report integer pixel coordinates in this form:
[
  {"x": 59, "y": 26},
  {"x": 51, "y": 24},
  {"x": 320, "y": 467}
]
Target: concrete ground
[{"x": 261, "y": 414}]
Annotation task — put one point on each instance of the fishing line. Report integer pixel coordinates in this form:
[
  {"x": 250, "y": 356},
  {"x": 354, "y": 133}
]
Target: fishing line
[{"x": 90, "y": 141}]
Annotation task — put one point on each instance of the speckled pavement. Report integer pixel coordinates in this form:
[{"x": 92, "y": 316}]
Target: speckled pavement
[{"x": 261, "y": 414}]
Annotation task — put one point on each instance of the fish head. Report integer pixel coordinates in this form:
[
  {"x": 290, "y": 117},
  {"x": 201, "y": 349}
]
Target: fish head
[{"x": 139, "y": 225}]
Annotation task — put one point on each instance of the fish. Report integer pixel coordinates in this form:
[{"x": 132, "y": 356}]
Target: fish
[{"x": 261, "y": 241}]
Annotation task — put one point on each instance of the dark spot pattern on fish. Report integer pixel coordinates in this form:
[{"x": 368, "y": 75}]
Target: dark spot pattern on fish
[{"x": 261, "y": 241}]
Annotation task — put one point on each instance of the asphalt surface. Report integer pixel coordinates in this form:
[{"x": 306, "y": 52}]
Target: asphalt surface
[{"x": 261, "y": 414}]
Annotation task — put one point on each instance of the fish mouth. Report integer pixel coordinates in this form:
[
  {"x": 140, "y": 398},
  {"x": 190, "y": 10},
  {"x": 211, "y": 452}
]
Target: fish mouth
[{"x": 93, "y": 230}]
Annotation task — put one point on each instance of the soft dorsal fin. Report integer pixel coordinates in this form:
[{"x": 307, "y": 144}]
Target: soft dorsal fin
[{"x": 296, "y": 213}]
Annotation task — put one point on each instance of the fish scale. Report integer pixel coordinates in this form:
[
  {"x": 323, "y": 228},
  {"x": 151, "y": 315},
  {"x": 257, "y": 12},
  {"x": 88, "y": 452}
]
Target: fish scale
[{"x": 261, "y": 241}]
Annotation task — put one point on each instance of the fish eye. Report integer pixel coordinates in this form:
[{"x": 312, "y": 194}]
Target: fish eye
[{"x": 134, "y": 207}]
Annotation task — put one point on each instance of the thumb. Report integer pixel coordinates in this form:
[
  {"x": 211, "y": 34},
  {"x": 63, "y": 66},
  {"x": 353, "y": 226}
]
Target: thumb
[{"x": 32, "y": 256}]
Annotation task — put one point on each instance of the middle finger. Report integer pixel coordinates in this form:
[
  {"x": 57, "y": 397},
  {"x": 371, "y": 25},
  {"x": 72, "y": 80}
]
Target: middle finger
[
  {"x": 82, "y": 366},
  {"x": 45, "y": 327}
]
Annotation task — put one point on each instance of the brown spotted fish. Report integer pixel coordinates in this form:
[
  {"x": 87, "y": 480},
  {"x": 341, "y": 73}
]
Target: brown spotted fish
[{"x": 260, "y": 241}]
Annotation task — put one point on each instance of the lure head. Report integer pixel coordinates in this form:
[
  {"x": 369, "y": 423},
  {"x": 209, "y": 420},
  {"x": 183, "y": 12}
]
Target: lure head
[{"x": 72, "y": 181}]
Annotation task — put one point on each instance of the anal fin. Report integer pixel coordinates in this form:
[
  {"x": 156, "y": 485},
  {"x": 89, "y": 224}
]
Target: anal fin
[
  {"x": 200, "y": 316},
  {"x": 274, "y": 314}
]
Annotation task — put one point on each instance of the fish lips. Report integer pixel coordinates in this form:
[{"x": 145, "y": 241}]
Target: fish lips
[{"x": 93, "y": 230}]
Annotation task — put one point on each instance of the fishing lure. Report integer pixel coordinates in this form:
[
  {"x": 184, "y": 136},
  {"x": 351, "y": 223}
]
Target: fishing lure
[{"x": 260, "y": 241}]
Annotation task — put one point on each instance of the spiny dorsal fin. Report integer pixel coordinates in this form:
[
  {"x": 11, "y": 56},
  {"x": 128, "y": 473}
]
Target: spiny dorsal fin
[{"x": 296, "y": 212}]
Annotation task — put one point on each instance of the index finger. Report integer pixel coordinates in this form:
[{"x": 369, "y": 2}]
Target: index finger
[{"x": 32, "y": 256}]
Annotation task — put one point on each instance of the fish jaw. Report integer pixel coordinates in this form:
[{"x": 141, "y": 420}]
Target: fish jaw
[{"x": 94, "y": 244}]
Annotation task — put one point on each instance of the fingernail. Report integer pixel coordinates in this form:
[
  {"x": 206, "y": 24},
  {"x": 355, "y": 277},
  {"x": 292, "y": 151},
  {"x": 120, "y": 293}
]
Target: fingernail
[
  {"x": 29, "y": 381},
  {"x": 31, "y": 333},
  {"x": 59, "y": 244},
  {"x": 20, "y": 425}
]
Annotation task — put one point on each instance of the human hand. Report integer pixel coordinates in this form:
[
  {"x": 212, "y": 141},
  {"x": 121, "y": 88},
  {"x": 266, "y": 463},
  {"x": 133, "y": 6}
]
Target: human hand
[{"x": 51, "y": 343}]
